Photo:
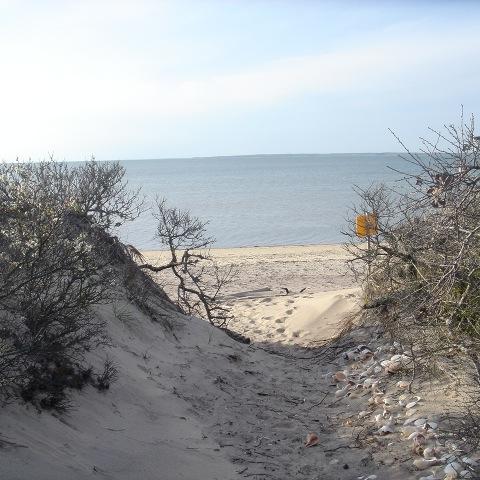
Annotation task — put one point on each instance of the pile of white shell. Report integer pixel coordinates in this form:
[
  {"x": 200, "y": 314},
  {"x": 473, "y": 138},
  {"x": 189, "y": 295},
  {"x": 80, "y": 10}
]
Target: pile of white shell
[{"x": 398, "y": 412}]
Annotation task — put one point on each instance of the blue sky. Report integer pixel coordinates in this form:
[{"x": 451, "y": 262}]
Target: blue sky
[{"x": 152, "y": 79}]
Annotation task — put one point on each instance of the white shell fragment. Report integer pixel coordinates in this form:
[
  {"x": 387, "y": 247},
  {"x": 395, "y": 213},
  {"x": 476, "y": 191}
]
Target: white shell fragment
[
  {"x": 423, "y": 463},
  {"x": 429, "y": 452},
  {"x": 402, "y": 384},
  {"x": 386, "y": 429}
]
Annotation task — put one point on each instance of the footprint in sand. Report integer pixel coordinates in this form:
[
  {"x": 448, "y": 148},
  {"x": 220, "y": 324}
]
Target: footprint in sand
[
  {"x": 267, "y": 318},
  {"x": 281, "y": 329},
  {"x": 289, "y": 312},
  {"x": 291, "y": 301},
  {"x": 280, "y": 320}
]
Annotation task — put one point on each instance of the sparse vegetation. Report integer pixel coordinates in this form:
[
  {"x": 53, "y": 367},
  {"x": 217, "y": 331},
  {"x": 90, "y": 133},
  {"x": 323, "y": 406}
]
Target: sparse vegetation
[
  {"x": 421, "y": 270},
  {"x": 200, "y": 280},
  {"x": 55, "y": 266}
]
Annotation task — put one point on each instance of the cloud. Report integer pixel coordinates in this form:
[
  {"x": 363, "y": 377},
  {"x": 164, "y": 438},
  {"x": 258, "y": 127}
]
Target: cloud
[
  {"x": 52, "y": 90},
  {"x": 363, "y": 69}
]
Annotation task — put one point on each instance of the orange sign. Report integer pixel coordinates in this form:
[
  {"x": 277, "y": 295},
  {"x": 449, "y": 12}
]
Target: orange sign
[{"x": 366, "y": 225}]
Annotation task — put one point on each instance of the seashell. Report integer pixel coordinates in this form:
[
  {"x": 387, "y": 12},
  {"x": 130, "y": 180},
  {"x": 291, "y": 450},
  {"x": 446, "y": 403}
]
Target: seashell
[
  {"x": 415, "y": 435},
  {"x": 417, "y": 450},
  {"x": 312, "y": 440},
  {"x": 341, "y": 392},
  {"x": 339, "y": 377},
  {"x": 393, "y": 367},
  {"x": 453, "y": 469},
  {"x": 401, "y": 403},
  {"x": 371, "y": 401},
  {"x": 429, "y": 452},
  {"x": 419, "y": 422},
  {"x": 388, "y": 401},
  {"x": 378, "y": 418},
  {"x": 423, "y": 463},
  {"x": 409, "y": 421},
  {"x": 377, "y": 369},
  {"x": 402, "y": 384},
  {"x": 363, "y": 414},
  {"x": 386, "y": 429},
  {"x": 410, "y": 405},
  {"x": 410, "y": 412},
  {"x": 406, "y": 431}
]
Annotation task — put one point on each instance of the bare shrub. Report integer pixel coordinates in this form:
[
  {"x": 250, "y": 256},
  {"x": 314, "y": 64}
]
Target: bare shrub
[
  {"x": 421, "y": 274},
  {"x": 55, "y": 266},
  {"x": 108, "y": 376},
  {"x": 200, "y": 280}
]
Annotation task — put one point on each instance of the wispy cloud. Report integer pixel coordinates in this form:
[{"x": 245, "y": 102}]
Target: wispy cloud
[{"x": 74, "y": 74}]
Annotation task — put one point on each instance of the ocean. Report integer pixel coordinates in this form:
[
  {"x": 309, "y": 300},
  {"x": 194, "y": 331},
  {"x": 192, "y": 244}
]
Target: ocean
[{"x": 259, "y": 199}]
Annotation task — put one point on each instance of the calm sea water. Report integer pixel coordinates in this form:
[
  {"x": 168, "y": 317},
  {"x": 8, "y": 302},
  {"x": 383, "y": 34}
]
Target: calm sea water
[{"x": 258, "y": 200}]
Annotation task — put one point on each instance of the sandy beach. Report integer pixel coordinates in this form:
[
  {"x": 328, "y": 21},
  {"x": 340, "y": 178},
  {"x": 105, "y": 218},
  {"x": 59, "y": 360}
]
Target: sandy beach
[
  {"x": 285, "y": 294},
  {"x": 191, "y": 403}
]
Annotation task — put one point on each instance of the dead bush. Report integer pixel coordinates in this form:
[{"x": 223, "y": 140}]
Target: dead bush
[
  {"x": 421, "y": 269},
  {"x": 200, "y": 280},
  {"x": 55, "y": 266}
]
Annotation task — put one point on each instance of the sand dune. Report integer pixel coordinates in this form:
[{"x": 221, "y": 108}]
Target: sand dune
[{"x": 193, "y": 404}]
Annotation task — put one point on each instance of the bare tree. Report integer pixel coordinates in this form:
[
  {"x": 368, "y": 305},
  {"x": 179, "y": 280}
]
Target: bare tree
[{"x": 200, "y": 280}]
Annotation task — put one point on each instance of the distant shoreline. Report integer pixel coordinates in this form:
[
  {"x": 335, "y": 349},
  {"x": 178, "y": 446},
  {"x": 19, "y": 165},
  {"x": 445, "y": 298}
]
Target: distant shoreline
[{"x": 259, "y": 248}]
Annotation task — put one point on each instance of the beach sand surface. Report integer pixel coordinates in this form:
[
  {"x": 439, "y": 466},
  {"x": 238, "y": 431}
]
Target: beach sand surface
[
  {"x": 293, "y": 295},
  {"x": 192, "y": 403}
]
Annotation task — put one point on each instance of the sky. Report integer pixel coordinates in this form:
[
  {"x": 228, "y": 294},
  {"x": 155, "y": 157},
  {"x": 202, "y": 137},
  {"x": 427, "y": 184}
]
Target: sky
[{"x": 160, "y": 79}]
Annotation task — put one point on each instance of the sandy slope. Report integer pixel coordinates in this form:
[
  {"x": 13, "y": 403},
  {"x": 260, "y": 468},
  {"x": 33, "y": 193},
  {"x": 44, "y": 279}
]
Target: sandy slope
[
  {"x": 194, "y": 404},
  {"x": 200, "y": 406}
]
